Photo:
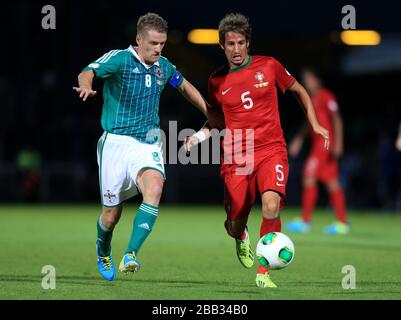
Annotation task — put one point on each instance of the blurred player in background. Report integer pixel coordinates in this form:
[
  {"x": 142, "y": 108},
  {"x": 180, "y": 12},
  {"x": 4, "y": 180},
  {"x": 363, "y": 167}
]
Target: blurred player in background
[
  {"x": 129, "y": 153},
  {"x": 321, "y": 165},
  {"x": 398, "y": 141},
  {"x": 245, "y": 92}
]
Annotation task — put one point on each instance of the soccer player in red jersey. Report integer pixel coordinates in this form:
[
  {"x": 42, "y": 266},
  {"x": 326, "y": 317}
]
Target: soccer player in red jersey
[
  {"x": 321, "y": 165},
  {"x": 398, "y": 141},
  {"x": 255, "y": 155}
]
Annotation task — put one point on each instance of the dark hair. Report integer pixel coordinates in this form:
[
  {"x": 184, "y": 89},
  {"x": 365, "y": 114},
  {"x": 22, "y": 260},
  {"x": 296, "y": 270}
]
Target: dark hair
[
  {"x": 235, "y": 22},
  {"x": 151, "y": 21},
  {"x": 312, "y": 70}
]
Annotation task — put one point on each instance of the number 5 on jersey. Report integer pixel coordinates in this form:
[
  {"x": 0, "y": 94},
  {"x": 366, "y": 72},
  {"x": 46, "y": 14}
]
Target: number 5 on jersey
[
  {"x": 246, "y": 101},
  {"x": 280, "y": 175}
]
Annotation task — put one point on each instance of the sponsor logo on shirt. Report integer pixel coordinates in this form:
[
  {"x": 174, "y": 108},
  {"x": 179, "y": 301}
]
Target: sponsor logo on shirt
[
  {"x": 225, "y": 91},
  {"x": 135, "y": 70}
]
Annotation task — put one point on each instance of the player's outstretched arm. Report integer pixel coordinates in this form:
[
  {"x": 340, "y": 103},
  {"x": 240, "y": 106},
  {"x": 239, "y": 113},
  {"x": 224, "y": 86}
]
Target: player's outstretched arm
[
  {"x": 338, "y": 146},
  {"x": 306, "y": 103},
  {"x": 215, "y": 118},
  {"x": 193, "y": 96},
  {"x": 398, "y": 142},
  {"x": 85, "y": 80}
]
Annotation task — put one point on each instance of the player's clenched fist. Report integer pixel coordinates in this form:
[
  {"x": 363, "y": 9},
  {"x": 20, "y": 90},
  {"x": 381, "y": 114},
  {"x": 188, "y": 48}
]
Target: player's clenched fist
[
  {"x": 190, "y": 142},
  {"x": 84, "y": 92}
]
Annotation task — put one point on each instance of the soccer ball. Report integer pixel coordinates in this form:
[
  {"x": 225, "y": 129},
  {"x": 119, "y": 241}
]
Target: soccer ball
[{"x": 275, "y": 250}]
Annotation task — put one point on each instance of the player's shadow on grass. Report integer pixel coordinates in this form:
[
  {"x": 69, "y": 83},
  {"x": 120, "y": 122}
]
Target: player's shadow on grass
[
  {"x": 327, "y": 284},
  {"x": 182, "y": 283},
  {"x": 241, "y": 292}
]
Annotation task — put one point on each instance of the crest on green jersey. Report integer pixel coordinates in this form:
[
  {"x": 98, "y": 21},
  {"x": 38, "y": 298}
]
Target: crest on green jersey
[{"x": 158, "y": 72}]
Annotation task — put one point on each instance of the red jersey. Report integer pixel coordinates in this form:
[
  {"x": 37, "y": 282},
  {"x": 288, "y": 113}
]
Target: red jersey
[
  {"x": 325, "y": 104},
  {"x": 247, "y": 96}
]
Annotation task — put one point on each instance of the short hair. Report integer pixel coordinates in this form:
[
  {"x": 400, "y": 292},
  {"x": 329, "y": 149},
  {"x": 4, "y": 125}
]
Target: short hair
[
  {"x": 234, "y": 22},
  {"x": 313, "y": 70},
  {"x": 151, "y": 21}
]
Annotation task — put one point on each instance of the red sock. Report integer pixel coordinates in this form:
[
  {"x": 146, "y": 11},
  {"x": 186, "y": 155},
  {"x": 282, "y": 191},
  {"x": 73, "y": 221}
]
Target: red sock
[
  {"x": 270, "y": 226},
  {"x": 262, "y": 270},
  {"x": 309, "y": 197},
  {"x": 244, "y": 235},
  {"x": 337, "y": 200}
]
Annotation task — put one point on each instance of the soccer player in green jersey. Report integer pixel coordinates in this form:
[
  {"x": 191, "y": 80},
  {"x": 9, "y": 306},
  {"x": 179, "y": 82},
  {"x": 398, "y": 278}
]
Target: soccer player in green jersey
[{"x": 129, "y": 152}]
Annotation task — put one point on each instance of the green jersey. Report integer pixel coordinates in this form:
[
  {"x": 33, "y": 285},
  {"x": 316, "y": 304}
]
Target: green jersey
[{"x": 131, "y": 93}]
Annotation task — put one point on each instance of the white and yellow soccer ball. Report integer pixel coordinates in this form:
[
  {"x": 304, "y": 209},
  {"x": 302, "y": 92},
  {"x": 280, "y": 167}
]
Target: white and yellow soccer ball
[{"x": 275, "y": 250}]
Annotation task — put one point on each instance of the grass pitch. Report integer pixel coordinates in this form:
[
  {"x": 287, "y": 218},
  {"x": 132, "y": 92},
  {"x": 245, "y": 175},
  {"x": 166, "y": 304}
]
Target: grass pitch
[{"x": 189, "y": 256}]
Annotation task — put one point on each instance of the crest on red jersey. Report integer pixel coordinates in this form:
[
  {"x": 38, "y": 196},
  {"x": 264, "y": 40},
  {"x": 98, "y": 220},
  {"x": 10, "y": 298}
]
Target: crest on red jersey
[{"x": 260, "y": 76}]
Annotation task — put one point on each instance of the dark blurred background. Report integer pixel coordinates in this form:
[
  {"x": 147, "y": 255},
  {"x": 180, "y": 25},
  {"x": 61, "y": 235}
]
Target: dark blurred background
[{"x": 48, "y": 136}]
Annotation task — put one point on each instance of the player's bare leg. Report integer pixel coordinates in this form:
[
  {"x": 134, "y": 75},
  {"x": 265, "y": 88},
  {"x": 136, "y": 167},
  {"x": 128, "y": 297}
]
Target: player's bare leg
[
  {"x": 271, "y": 223},
  {"x": 105, "y": 226},
  {"x": 239, "y": 231},
  {"x": 111, "y": 216},
  {"x": 150, "y": 182},
  {"x": 337, "y": 200}
]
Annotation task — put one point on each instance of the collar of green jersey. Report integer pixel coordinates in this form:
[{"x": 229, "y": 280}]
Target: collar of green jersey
[
  {"x": 242, "y": 66},
  {"x": 133, "y": 51}
]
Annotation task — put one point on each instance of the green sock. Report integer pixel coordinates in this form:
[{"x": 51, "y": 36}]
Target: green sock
[
  {"x": 104, "y": 236},
  {"x": 143, "y": 224}
]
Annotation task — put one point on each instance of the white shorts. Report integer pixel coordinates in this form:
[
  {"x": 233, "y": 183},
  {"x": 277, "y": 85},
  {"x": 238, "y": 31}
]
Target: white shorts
[{"x": 120, "y": 158}]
